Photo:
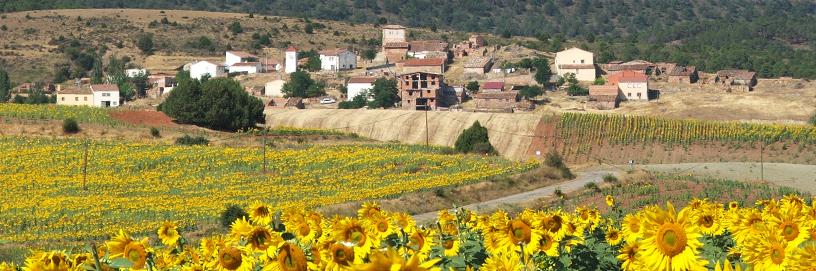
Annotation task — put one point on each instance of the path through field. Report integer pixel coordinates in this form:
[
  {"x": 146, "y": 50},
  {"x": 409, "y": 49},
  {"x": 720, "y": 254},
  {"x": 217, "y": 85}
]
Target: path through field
[{"x": 801, "y": 177}]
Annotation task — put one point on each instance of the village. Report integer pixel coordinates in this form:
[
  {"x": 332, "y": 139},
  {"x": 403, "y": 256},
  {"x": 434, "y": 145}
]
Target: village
[{"x": 421, "y": 70}]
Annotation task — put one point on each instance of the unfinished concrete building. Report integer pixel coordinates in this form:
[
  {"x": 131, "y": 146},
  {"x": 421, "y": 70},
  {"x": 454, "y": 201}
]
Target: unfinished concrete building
[{"x": 420, "y": 90}]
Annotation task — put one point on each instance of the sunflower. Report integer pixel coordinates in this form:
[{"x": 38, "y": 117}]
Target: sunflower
[
  {"x": 554, "y": 223},
  {"x": 631, "y": 227},
  {"x": 391, "y": 260},
  {"x": 351, "y": 230},
  {"x": 789, "y": 222},
  {"x": 613, "y": 236},
  {"x": 748, "y": 222},
  {"x": 306, "y": 230},
  {"x": 168, "y": 233},
  {"x": 260, "y": 238},
  {"x": 123, "y": 246},
  {"x": 240, "y": 227},
  {"x": 493, "y": 242},
  {"x": 610, "y": 201},
  {"x": 503, "y": 262},
  {"x": 548, "y": 245},
  {"x": 726, "y": 266},
  {"x": 338, "y": 257},
  {"x": 404, "y": 221},
  {"x": 7, "y": 266},
  {"x": 768, "y": 252},
  {"x": 369, "y": 209},
  {"x": 209, "y": 246},
  {"x": 41, "y": 261},
  {"x": 289, "y": 257},
  {"x": 420, "y": 243},
  {"x": 450, "y": 245},
  {"x": 260, "y": 213},
  {"x": 804, "y": 257},
  {"x": 380, "y": 226},
  {"x": 733, "y": 205},
  {"x": 708, "y": 219},
  {"x": 232, "y": 258},
  {"x": 520, "y": 234},
  {"x": 629, "y": 257},
  {"x": 670, "y": 240}
]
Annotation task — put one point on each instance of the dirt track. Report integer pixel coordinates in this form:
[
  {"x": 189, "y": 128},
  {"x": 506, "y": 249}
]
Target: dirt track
[{"x": 510, "y": 134}]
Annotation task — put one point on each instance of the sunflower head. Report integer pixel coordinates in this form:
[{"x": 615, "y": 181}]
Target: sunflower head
[
  {"x": 341, "y": 254},
  {"x": 260, "y": 213},
  {"x": 613, "y": 236},
  {"x": 369, "y": 209},
  {"x": 291, "y": 258},
  {"x": 610, "y": 201},
  {"x": 230, "y": 258},
  {"x": 671, "y": 239},
  {"x": 519, "y": 231},
  {"x": 168, "y": 233},
  {"x": 136, "y": 252}
]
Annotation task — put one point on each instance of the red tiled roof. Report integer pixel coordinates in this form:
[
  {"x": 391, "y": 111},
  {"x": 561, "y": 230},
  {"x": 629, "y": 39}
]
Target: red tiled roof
[
  {"x": 291, "y": 49},
  {"x": 362, "y": 80},
  {"x": 628, "y": 67},
  {"x": 627, "y": 77},
  {"x": 242, "y": 54},
  {"x": 428, "y": 45},
  {"x": 424, "y": 62},
  {"x": 396, "y": 44},
  {"x": 603, "y": 90},
  {"x": 75, "y": 90},
  {"x": 104, "y": 87},
  {"x": 493, "y": 85},
  {"x": 333, "y": 52}
]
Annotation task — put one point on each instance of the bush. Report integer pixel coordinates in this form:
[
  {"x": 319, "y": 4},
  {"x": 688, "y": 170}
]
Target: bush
[
  {"x": 70, "y": 126},
  {"x": 609, "y": 178},
  {"x": 576, "y": 90},
  {"x": 474, "y": 140},
  {"x": 813, "y": 119},
  {"x": 190, "y": 141},
  {"x": 154, "y": 132},
  {"x": 230, "y": 214},
  {"x": 219, "y": 103},
  {"x": 555, "y": 160}
]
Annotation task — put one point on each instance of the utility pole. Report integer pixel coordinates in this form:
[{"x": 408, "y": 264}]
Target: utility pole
[
  {"x": 761, "y": 159},
  {"x": 264, "y": 149},
  {"x": 85, "y": 167}
]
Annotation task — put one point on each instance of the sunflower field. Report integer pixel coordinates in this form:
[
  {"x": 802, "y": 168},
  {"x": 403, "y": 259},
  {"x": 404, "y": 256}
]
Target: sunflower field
[
  {"x": 83, "y": 114},
  {"x": 52, "y": 197},
  {"x": 703, "y": 235},
  {"x": 621, "y": 129}
]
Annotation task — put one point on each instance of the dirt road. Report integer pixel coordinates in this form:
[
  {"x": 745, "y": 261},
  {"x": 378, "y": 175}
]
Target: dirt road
[
  {"x": 570, "y": 186},
  {"x": 801, "y": 177}
]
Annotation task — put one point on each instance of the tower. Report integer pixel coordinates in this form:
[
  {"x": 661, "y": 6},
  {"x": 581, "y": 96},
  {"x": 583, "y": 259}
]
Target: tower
[{"x": 291, "y": 59}]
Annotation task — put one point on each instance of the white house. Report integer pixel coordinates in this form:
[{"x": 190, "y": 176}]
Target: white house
[
  {"x": 245, "y": 67},
  {"x": 199, "y": 69},
  {"x": 105, "y": 95},
  {"x": 291, "y": 59},
  {"x": 274, "y": 88},
  {"x": 337, "y": 59},
  {"x": 575, "y": 61},
  {"x": 135, "y": 72},
  {"x": 233, "y": 57},
  {"x": 357, "y": 85},
  {"x": 633, "y": 85}
]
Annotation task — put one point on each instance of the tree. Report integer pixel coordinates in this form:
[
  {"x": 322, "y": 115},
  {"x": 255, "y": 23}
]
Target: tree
[
  {"x": 236, "y": 28},
  {"x": 302, "y": 85},
  {"x": 219, "y": 103},
  {"x": 357, "y": 102},
  {"x": 70, "y": 126},
  {"x": 385, "y": 93},
  {"x": 577, "y": 90},
  {"x": 96, "y": 74},
  {"x": 369, "y": 54},
  {"x": 543, "y": 73},
  {"x": 5, "y": 86},
  {"x": 530, "y": 92},
  {"x": 145, "y": 43},
  {"x": 474, "y": 139},
  {"x": 473, "y": 86},
  {"x": 313, "y": 64},
  {"x": 309, "y": 29}
]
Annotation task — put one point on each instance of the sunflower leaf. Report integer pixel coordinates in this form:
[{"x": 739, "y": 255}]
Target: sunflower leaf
[{"x": 121, "y": 263}]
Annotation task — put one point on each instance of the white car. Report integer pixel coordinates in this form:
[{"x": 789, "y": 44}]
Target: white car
[{"x": 327, "y": 101}]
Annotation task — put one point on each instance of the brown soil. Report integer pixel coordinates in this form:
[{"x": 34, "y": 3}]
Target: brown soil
[{"x": 146, "y": 118}]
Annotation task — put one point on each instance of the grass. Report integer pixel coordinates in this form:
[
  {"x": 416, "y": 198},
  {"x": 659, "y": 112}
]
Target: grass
[
  {"x": 137, "y": 186},
  {"x": 81, "y": 114}
]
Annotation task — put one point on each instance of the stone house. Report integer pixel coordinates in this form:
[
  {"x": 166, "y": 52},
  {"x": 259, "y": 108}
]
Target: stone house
[
  {"x": 576, "y": 61},
  {"x": 420, "y": 90},
  {"x": 75, "y": 95},
  {"x": 503, "y": 101},
  {"x": 604, "y": 97},
  {"x": 683, "y": 74},
  {"x": 742, "y": 79},
  {"x": 492, "y": 87},
  {"x": 478, "y": 65},
  {"x": 474, "y": 46}
]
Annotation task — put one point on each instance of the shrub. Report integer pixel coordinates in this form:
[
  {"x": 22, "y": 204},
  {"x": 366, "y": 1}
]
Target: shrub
[
  {"x": 70, "y": 126},
  {"x": 813, "y": 119},
  {"x": 576, "y": 90},
  {"x": 145, "y": 43},
  {"x": 592, "y": 186},
  {"x": 230, "y": 214},
  {"x": 219, "y": 103},
  {"x": 609, "y": 178},
  {"x": 555, "y": 160},
  {"x": 474, "y": 140},
  {"x": 154, "y": 132},
  {"x": 189, "y": 140}
]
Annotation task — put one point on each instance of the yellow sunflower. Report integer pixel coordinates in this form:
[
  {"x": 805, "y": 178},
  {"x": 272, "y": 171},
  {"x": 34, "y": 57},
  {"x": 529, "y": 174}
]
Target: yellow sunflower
[
  {"x": 380, "y": 226},
  {"x": 209, "y": 246},
  {"x": 338, "y": 257},
  {"x": 352, "y": 231},
  {"x": 631, "y": 227},
  {"x": 613, "y": 236},
  {"x": 404, "y": 221},
  {"x": 7, "y": 267},
  {"x": 260, "y": 238},
  {"x": 240, "y": 227},
  {"x": 804, "y": 258},
  {"x": 450, "y": 244},
  {"x": 260, "y": 213},
  {"x": 289, "y": 257},
  {"x": 629, "y": 257},
  {"x": 789, "y": 222},
  {"x": 768, "y": 252},
  {"x": 748, "y": 222},
  {"x": 733, "y": 205},
  {"x": 232, "y": 258},
  {"x": 554, "y": 222},
  {"x": 726, "y": 266},
  {"x": 420, "y": 243},
  {"x": 168, "y": 233},
  {"x": 708, "y": 219},
  {"x": 369, "y": 209},
  {"x": 47, "y": 261},
  {"x": 548, "y": 245},
  {"x": 503, "y": 262},
  {"x": 519, "y": 233},
  {"x": 670, "y": 240},
  {"x": 123, "y": 246},
  {"x": 610, "y": 201},
  {"x": 392, "y": 261}
]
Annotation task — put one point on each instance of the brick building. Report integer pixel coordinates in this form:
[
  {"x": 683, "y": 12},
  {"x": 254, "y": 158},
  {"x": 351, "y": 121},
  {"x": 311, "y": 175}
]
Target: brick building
[
  {"x": 604, "y": 96},
  {"x": 420, "y": 90},
  {"x": 429, "y": 65}
]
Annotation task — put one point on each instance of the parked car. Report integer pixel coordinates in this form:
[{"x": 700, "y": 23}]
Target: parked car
[{"x": 327, "y": 101}]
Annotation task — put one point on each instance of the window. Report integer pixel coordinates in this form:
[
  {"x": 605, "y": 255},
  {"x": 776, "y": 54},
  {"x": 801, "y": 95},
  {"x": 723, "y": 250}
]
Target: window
[
  {"x": 638, "y": 95},
  {"x": 86, "y": 99},
  {"x": 629, "y": 95},
  {"x": 582, "y": 61},
  {"x": 76, "y": 99},
  {"x": 63, "y": 99},
  {"x": 105, "y": 94}
]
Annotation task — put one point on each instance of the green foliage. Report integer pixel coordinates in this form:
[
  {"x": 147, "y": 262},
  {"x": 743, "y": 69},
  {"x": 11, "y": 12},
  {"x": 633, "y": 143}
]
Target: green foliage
[
  {"x": 70, "y": 126},
  {"x": 369, "y": 54},
  {"x": 357, "y": 102},
  {"x": 385, "y": 93},
  {"x": 5, "y": 86},
  {"x": 599, "y": 81},
  {"x": 530, "y": 92},
  {"x": 154, "y": 132},
  {"x": 543, "y": 73},
  {"x": 473, "y": 86},
  {"x": 313, "y": 64},
  {"x": 236, "y": 28},
  {"x": 188, "y": 140},
  {"x": 117, "y": 76},
  {"x": 36, "y": 96},
  {"x": 230, "y": 214},
  {"x": 97, "y": 74},
  {"x": 813, "y": 119},
  {"x": 302, "y": 85},
  {"x": 201, "y": 43},
  {"x": 308, "y": 29},
  {"x": 577, "y": 90},
  {"x": 219, "y": 103},
  {"x": 145, "y": 43},
  {"x": 554, "y": 160},
  {"x": 474, "y": 140}
]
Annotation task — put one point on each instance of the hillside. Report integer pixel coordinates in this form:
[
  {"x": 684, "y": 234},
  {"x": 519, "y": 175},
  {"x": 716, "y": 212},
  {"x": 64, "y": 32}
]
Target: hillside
[{"x": 774, "y": 38}]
